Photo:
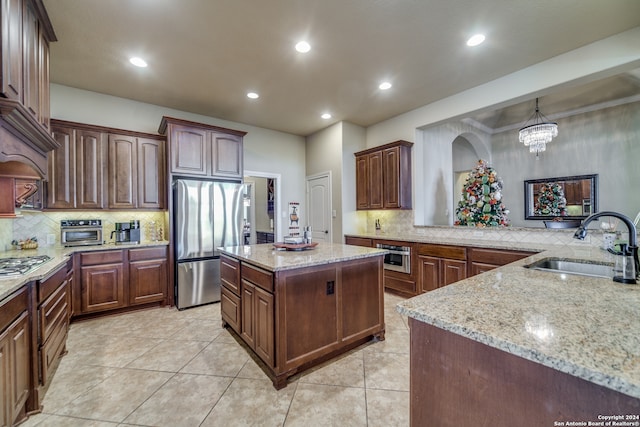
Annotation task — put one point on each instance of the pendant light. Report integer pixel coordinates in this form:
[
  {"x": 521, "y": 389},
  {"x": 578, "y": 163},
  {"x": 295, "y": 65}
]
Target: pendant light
[{"x": 538, "y": 131}]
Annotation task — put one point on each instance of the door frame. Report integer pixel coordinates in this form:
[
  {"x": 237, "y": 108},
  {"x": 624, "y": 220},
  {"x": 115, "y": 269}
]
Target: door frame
[
  {"x": 277, "y": 217},
  {"x": 326, "y": 174}
]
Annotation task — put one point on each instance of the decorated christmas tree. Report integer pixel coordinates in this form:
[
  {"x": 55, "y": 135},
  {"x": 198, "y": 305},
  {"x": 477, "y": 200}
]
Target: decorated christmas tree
[
  {"x": 551, "y": 200},
  {"x": 481, "y": 204}
]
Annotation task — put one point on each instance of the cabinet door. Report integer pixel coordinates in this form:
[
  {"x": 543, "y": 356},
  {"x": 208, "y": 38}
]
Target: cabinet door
[
  {"x": 230, "y": 309},
  {"x": 452, "y": 270},
  {"x": 362, "y": 295},
  {"x": 20, "y": 365},
  {"x": 5, "y": 380},
  {"x": 147, "y": 281},
  {"x": 61, "y": 188},
  {"x": 102, "y": 287},
  {"x": 189, "y": 148},
  {"x": 11, "y": 24},
  {"x": 123, "y": 172},
  {"x": 362, "y": 182},
  {"x": 31, "y": 84},
  {"x": 247, "y": 322},
  {"x": 90, "y": 161},
  {"x": 264, "y": 321},
  {"x": 151, "y": 169},
  {"x": 376, "y": 180},
  {"x": 391, "y": 177},
  {"x": 226, "y": 155},
  {"x": 429, "y": 273},
  {"x": 43, "y": 80}
]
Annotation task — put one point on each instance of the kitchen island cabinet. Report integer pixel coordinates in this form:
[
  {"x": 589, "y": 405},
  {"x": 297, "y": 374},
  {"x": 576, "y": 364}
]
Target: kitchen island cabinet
[
  {"x": 297, "y": 309},
  {"x": 515, "y": 346}
]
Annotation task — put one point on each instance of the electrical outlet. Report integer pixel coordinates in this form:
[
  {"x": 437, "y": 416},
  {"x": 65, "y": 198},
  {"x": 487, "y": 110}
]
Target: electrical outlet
[
  {"x": 51, "y": 239},
  {"x": 478, "y": 233}
]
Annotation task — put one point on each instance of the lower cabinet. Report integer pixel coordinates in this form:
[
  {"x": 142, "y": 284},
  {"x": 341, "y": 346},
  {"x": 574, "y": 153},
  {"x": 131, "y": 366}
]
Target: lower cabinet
[
  {"x": 15, "y": 357},
  {"x": 482, "y": 259},
  {"x": 54, "y": 310},
  {"x": 257, "y": 308},
  {"x": 120, "y": 278},
  {"x": 440, "y": 265},
  {"x": 147, "y": 275}
]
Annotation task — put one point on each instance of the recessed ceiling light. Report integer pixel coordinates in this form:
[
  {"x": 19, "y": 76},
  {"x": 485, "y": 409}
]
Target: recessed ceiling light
[
  {"x": 326, "y": 116},
  {"x": 384, "y": 86},
  {"x": 475, "y": 40},
  {"x": 138, "y": 62},
  {"x": 253, "y": 95},
  {"x": 303, "y": 47}
]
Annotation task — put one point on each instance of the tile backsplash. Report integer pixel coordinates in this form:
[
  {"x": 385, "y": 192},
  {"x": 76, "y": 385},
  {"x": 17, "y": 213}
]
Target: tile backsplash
[{"x": 44, "y": 224}]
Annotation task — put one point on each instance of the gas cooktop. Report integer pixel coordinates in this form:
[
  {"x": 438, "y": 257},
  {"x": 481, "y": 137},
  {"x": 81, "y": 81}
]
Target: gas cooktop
[{"x": 11, "y": 267}]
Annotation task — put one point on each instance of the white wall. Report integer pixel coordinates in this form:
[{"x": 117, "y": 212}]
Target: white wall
[
  {"x": 432, "y": 152},
  {"x": 265, "y": 150}
]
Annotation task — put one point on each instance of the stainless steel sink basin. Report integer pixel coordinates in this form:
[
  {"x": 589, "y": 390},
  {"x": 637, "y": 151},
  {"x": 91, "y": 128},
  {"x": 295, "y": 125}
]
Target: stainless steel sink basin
[{"x": 573, "y": 266}]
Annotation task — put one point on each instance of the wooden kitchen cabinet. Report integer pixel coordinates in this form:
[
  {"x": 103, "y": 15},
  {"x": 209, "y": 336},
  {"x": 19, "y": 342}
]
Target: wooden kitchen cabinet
[
  {"x": 257, "y": 312},
  {"x": 358, "y": 241},
  {"x": 147, "y": 275},
  {"x": 383, "y": 177},
  {"x": 15, "y": 357},
  {"x": 54, "y": 312},
  {"x": 97, "y": 167},
  {"x": 440, "y": 265},
  {"x": 197, "y": 149},
  {"x": 230, "y": 304},
  {"x": 102, "y": 281},
  {"x": 484, "y": 259}
]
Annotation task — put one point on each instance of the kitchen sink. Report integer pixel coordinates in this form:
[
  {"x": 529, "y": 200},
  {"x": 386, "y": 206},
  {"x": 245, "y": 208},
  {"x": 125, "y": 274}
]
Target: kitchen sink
[{"x": 573, "y": 266}]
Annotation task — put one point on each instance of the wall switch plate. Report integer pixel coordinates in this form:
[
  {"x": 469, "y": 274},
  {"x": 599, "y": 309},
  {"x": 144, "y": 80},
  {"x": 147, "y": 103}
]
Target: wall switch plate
[{"x": 51, "y": 239}]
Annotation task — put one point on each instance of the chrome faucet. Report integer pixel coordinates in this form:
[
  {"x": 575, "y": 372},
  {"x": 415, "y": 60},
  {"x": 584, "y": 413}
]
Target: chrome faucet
[{"x": 627, "y": 250}]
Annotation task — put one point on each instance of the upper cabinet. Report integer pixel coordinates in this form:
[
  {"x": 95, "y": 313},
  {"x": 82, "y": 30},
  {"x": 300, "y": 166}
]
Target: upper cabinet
[
  {"x": 196, "y": 149},
  {"x": 383, "y": 177},
  {"x": 97, "y": 168},
  {"x": 24, "y": 101}
]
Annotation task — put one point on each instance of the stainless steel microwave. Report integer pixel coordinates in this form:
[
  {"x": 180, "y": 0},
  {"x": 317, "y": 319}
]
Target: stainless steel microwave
[{"x": 81, "y": 232}]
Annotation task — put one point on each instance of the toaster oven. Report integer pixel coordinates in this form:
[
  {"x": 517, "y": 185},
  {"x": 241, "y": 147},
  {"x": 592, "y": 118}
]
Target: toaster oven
[{"x": 81, "y": 232}]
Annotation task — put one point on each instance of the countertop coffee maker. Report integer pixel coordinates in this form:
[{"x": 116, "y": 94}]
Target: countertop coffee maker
[{"x": 127, "y": 232}]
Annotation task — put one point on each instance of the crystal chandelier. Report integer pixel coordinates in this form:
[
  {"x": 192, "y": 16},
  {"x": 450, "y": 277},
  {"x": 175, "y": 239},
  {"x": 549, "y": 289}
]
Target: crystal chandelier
[{"x": 537, "y": 134}]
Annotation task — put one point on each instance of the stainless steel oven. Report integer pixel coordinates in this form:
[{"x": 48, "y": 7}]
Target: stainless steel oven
[
  {"x": 398, "y": 258},
  {"x": 81, "y": 232}
]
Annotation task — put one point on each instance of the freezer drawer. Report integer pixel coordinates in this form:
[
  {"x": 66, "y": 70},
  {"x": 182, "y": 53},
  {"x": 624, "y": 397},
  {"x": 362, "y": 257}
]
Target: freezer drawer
[{"x": 198, "y": 283}]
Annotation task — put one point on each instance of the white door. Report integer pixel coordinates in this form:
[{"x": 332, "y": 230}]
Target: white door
[{"x": 319, "y": 206}]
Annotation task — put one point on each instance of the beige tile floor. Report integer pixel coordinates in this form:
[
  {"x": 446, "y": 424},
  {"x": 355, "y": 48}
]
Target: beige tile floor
[{"x": 164, "y": 367}]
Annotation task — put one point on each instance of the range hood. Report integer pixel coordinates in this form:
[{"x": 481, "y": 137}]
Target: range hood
[{"x": 22, "y": 138}]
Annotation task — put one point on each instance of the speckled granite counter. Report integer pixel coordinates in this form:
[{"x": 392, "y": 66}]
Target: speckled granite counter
[
  {"x": 269, "y": 258},
  {"x": 59, "y": 255},
  {"x": 586, "y": 327}
]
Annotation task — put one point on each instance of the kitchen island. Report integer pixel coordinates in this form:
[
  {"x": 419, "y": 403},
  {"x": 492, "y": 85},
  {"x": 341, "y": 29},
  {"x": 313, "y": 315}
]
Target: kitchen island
[
  {"x": 515, "y": 346},
  {"x": 295, "y": 309}
]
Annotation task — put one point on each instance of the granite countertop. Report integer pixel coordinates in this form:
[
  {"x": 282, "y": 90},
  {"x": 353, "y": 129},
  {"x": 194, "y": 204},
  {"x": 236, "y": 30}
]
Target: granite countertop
[
  {"x": 478, "y": 243},
  {"x": 272, "y": 259},
  {"x": 584, "y": 326},
  {"x": 59, "y": 256}
]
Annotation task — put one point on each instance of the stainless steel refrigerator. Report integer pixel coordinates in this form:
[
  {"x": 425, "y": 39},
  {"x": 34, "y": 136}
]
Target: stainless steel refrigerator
[{"x": 207, "y": 215}]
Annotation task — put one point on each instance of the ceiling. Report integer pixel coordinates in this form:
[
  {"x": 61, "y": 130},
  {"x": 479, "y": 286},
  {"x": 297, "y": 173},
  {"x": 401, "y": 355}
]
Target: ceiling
[{"x": 205, "y": 55}]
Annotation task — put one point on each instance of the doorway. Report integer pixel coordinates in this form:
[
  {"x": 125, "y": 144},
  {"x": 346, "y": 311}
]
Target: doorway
[
  {"x": 262, "y": 207},
  {"x": 319, "y": 206}
]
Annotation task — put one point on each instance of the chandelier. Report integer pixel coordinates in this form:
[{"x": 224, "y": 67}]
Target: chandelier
[{"x": 540, "y": 132}]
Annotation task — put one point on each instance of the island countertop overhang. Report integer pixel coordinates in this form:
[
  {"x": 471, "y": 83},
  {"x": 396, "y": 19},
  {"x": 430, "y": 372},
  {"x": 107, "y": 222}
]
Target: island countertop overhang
[
  {"x": 272, "y": 259},
  {"x": 583, "y": 326}
]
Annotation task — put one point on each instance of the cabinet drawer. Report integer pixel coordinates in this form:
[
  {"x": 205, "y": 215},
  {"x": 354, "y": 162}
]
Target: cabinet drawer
[
  {"x": 496, "y": 256},
  {"x": 400, "y": 285},
  {"x": 358, "y": 241},
  {"x": 230, "y": 274},
  {"x": 12, "y": 306},
  {"x": 53, "y": 311},
  {"x": 105, "y": 257},
  {"x": 48, "y": 286},
  {"x": 443, "y": 251},
  {"x": 230, "y": 309},
  {"x": 53, "y": 347},
  {"x": 257, "y": 276},
  {"x": 158, "y": 252}
]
